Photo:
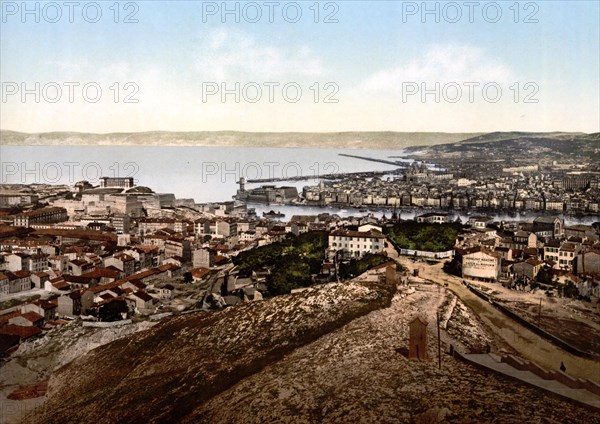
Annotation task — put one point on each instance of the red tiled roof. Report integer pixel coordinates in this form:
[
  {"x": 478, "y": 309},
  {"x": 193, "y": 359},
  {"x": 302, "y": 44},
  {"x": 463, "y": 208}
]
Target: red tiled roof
[
  {"x": 145, "y": 248},
  {"x": 24, "y": 332},
  {"x": 42, "y": 211},
  {"x": 168, "y": 267},
  {"x": 8, "y": 316},
  {"x": 143, "y": 295},
  {"x": 44, "y": 304},
  {"x": 79, "y": 234},
  {"x": 60, "y": 285},
  {"x": 32, "y": 316},
  {"x": 79, "y": 279},
  {"x": 200, "y": 272},
  {"x": 102, "y": 273},
  {"x": 367, "y": 234}
]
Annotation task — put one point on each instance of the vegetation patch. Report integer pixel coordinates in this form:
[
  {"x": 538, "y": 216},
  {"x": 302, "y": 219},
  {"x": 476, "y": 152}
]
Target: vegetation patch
[
  {"x": 291, "y": 262},
  {"x": 358, "y": 266},
  {"x": 423, "y": 236}
]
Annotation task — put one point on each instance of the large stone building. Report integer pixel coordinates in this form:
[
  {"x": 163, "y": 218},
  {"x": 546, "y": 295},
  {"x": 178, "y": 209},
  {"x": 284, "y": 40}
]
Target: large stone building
[
  {"x": 11, "y": 198},
  {"x": 528, "y": 269},
  {"x": 479, "y": 264},
  {"x": 203, "y": 258},
  {"x": 548, "y": 227},
  {"x": 266, "y": 194},
  {"x": 433, "y": 218},
  {"x": 357, "y": 243},
  {"x": 41, "y": 216},
  {"x": 122, "y": 182}
]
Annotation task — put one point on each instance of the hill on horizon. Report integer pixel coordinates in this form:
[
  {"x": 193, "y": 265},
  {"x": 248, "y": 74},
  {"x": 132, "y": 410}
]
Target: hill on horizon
[
  {"x": 556, "y": 145},
  {"x": 437, "y": 142},
  {"x": 349, "y": 140}
]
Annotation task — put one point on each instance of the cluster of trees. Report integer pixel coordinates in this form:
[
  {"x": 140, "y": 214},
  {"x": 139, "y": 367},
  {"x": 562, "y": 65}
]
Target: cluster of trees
[
  {"x": 544, "y": 279},
  {"x": 358, "y": 266},
  {"x": 291, "y": 261},
  {"x": 423, "y": 236}
]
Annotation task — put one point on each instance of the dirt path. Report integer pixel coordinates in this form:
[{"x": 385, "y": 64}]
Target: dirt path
[
  {"x": 522, "y": 340},
  {"x": 359, "y": 373}
]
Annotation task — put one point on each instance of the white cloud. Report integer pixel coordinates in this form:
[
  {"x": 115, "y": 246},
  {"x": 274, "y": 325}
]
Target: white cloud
[
  {"x": 228, "y": 54},
  {"x": 442, "y": 63}
]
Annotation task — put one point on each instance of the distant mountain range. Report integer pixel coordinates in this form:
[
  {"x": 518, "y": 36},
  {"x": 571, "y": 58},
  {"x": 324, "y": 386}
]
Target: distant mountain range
[
  {"x": 518, "y": 144},
  {"x": 349, "y": 140},
  {"x": 515, "y": 135},
  {"x": 352, "y": 140}
]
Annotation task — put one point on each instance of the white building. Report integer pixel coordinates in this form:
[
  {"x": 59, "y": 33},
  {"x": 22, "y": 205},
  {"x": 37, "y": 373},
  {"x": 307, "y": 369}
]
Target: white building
[
  {"x": 433, "y": 218},
  {"x": 357, "y": 243},
  {"x": 479, "y": 264}
]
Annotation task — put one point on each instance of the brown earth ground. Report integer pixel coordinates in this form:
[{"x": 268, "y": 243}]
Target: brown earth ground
[
  {"x": 360, "y": 374},
  {"x": 526, "y": 343}
]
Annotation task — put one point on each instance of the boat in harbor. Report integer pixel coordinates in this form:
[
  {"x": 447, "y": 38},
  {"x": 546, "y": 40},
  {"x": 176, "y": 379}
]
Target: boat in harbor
[{"x": 273, "y": 214}]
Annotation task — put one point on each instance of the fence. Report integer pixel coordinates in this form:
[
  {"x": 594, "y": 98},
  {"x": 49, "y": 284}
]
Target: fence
[
  {"x": 531, "y": 326},
  {"x": 421, "y": 253},
  {"x": 426, "y": 254}
]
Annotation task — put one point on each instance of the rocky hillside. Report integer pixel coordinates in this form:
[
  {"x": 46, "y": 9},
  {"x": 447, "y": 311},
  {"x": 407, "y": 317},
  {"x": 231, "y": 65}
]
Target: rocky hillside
[
  {"x": 331, "y": 354},
  {"x": 162, "y": 374},
  {"x": 558, "y": 146},
  {"x": 360, "y": 374}
]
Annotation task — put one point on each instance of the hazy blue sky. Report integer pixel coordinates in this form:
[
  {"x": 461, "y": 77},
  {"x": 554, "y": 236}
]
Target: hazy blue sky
[{"x": 373, "y": 58}]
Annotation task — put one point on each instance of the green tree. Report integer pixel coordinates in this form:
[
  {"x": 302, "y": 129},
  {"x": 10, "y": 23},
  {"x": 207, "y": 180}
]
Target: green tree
[
  {"x": 113, "y": 311},
  {"x": 424, "y": 236},
  {"x": 544, "y": 276},
  {"x": 570, "y": 290}
]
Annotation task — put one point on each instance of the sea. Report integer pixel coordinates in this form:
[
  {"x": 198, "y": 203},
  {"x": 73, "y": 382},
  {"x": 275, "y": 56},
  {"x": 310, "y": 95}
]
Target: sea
[
  {"x": 206, "y": 174},
  {"x": 209, "y": 174}
]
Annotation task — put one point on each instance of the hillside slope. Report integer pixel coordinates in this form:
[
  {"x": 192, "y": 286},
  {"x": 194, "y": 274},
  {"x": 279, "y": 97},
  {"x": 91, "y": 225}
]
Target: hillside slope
[
  {"x": 360, "y": 374},
  {"x": 162, "y": 374},
  {"x": 558, "y": 146}
]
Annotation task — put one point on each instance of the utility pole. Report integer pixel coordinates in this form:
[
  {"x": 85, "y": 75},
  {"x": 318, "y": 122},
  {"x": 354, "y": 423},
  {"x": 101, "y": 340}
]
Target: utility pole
[
  {"x": 540, "y": 313},
  {"x": 439, "y": 341}
]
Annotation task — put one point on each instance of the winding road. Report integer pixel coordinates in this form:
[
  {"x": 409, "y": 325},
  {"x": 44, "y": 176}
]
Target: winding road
[{"x": 524, "y": 341}]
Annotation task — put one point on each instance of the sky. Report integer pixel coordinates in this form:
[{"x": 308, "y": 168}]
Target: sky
[{"x": 306, "y": 66}]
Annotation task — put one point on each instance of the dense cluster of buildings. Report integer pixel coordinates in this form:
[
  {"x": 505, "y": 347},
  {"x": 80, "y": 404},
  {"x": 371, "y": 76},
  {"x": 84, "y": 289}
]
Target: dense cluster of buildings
[
  {"x": 516, "y": 254},
  {"x": 122, "y": 249},
  {"x": 576, "y": 194},
  {"x": 119, "y": 249}
]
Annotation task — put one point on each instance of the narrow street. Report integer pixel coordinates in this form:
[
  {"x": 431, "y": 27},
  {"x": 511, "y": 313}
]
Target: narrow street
[{"x": 525, "y": 342}]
